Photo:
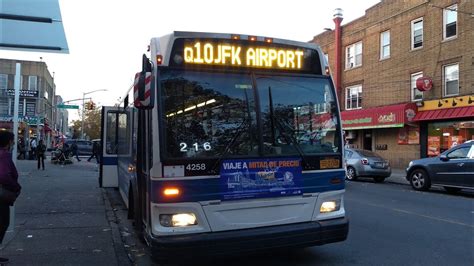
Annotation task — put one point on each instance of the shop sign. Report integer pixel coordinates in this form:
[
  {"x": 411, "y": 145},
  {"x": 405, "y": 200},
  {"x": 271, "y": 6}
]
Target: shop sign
[
  {"x": 379, "y": 117},
  {"x": 453, "y": 102},
  {"x": 389, "y": 118},
  {"x": 28, "y": 119},
  {"x": 424, "y": 83},
  {"x": 357, "y": 121},
  {"x": 410, "y": 114},
  {"x": 23, "y": 93}
]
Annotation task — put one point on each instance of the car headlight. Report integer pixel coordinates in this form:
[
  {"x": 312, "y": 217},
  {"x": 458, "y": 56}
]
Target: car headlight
[{"x": 410, "y": 164}]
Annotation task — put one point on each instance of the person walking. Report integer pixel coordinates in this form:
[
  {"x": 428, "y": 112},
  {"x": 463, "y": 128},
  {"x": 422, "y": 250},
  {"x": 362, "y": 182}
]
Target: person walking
[
  {"x": 74, "y": 151},
  {"x": 33, "y": 149},
  {"x": 8, "y": 183},
  {"x": 40, "y": 154},
  {"x": 95, "y": 152},
  {"x": 21, "y": 150}
]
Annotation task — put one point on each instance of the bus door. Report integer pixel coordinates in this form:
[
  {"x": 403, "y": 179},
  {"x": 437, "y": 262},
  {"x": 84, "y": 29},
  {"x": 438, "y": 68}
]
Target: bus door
[{"x": 109, "y": 144}]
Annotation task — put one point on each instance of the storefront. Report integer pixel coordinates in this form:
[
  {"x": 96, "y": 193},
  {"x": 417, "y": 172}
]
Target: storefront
[
  {"x": 445, "y": 123},
  {"x": 387, "y": 130}
]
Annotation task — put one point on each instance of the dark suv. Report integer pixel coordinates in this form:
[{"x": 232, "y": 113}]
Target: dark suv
[
  {"x": 453, "y": 169},
  {"x": 84, "y": 147}
]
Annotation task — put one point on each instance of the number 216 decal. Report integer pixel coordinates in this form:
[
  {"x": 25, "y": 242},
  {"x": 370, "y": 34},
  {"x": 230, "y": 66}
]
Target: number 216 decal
[{"x": 196, "y": 147}]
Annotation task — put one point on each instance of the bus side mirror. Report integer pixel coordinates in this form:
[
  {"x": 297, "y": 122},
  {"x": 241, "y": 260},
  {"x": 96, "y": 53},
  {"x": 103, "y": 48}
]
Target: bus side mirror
[{"x": 143, "y": 91}]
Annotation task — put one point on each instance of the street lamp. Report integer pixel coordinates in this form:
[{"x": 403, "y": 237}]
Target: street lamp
[{"x": 83, "y": 109}]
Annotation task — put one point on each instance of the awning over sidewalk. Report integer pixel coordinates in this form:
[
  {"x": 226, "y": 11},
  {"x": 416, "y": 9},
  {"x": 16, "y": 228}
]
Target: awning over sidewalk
[
  {"x": 461, "y": 112},
  {"x": 379, "y": 117}
]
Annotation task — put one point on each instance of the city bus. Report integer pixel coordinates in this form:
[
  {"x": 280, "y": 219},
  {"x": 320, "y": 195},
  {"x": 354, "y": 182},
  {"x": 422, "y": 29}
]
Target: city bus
[{"x": 228, "y": 143}]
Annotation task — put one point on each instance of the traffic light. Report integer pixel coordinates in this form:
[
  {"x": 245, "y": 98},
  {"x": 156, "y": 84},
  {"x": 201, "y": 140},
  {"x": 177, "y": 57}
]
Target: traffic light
[{"x": 90, "y": 105}]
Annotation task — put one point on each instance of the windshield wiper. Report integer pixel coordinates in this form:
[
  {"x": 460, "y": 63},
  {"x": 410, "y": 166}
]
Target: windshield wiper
[
  {"x": 231, "y": 143},
  {"x": 274, "y": 121}
]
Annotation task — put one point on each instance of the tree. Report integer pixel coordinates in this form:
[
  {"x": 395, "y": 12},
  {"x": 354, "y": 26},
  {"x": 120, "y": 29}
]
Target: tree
[{"x": 92, "y": 124}]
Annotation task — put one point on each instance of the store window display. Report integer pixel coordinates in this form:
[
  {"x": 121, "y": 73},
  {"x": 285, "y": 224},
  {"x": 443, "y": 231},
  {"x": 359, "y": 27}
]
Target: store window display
[{"x": 445, "y": 135}]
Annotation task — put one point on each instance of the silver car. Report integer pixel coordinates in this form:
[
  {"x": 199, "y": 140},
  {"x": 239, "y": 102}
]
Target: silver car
[{"x": 367, "y": 164}]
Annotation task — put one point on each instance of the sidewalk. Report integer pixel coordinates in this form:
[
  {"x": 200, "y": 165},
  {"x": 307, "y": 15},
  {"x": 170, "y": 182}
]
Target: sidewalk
[
  {"x": 61, "y": 218},
  {"x": 398, "y": 177}
]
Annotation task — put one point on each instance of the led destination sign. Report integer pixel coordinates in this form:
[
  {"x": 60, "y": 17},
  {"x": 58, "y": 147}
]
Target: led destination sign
[
  {"x": 238, "y": 55},
  {"x": 244, "y": 54}
]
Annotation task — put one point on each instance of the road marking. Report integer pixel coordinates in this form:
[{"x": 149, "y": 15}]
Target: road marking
[
  {"x": 433, "y": 218},
  {"x": 414, "y": 213}
]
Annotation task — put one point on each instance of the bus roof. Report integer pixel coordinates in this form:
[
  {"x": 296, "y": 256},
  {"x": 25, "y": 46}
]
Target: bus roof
[{"x": 189, "y": 34}]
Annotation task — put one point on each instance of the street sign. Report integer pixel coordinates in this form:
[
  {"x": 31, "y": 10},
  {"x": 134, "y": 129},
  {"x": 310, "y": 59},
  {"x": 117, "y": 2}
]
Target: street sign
[{"x": 64, "y": 106}]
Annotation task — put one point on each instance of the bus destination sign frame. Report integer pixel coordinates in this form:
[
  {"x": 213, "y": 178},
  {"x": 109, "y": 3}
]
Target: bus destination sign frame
[{"x": 242, "y": 54}]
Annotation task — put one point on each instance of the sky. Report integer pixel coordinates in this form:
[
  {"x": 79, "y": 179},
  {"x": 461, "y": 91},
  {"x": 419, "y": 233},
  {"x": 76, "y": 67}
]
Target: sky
[{"x": 106, "y": 38}]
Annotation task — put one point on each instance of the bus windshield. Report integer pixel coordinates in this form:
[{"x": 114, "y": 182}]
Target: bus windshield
[{"x": 214, "y": 115}]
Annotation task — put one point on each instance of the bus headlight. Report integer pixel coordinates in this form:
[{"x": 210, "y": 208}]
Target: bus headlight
[
  {"x": 178, "y": 220},
  {"x": 330, "y": 206}
]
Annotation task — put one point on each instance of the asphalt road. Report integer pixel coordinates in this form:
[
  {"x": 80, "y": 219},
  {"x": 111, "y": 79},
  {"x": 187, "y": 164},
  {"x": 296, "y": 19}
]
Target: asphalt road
[{"x": 390, "y": 224}]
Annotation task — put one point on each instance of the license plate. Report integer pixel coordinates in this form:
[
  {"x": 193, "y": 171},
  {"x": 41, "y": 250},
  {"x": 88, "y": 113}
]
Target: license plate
[{"x": 380, "y": 165}]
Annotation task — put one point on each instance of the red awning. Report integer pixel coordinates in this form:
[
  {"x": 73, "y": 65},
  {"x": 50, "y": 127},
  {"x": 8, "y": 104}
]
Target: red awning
[
  {"x": 450, "y": 113},
  {"x": 379, "y": 117}
]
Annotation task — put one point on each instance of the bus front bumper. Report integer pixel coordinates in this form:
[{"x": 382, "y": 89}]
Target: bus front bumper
[{"x": 249, "y": 240}]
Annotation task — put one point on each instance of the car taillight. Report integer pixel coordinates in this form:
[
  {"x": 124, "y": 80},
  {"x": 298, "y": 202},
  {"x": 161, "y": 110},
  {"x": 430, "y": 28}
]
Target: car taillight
[{"x": 364, "y": 161}]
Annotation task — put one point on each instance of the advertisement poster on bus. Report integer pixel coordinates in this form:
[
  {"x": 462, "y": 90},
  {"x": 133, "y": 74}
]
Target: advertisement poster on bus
[{"x": 260, "y": 178}]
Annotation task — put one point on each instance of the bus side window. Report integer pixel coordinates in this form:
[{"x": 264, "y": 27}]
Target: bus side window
[{"x": 111, "y": 137}]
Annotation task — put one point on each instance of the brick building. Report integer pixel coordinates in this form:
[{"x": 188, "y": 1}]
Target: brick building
[
  {"x": 36, "y": 112},
  {"x": 383, "y": 54}
]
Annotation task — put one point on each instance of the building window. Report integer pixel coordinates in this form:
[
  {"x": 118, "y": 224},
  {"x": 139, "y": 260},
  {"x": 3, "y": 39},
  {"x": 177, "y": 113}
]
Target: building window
[
  {"x": 321, "y": 108},
  {"x": 32, "y": 84},
  {"x": 450, "y": 19},
  {"x": 354, "y": 55},
  {"x": 385, "y": 44},
  {"x": 416, "y": 95},
  {"x": 417, "y": 33},
  {"x": 451, "y": 79},
  {"x": 354, "y": 97},
  {"x": 3, "y": 81}
]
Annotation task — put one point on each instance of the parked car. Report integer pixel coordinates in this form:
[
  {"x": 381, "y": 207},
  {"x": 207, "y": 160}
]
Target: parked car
[
  {"x": 452, "y": 169},
  {"x": 366, "y": 163},
  {"x": 84, "y": 147}
]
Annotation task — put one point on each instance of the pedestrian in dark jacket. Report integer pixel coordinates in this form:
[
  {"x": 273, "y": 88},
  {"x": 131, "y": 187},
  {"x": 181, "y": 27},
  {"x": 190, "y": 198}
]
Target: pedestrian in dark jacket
[
  {"x": 74, "y": 151},
  {"x": 21, "y": 150},
  {"x": 8, "y": 181},
  {"x": 95, "y": 152},
  {"x": 40, "y": 153}
]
